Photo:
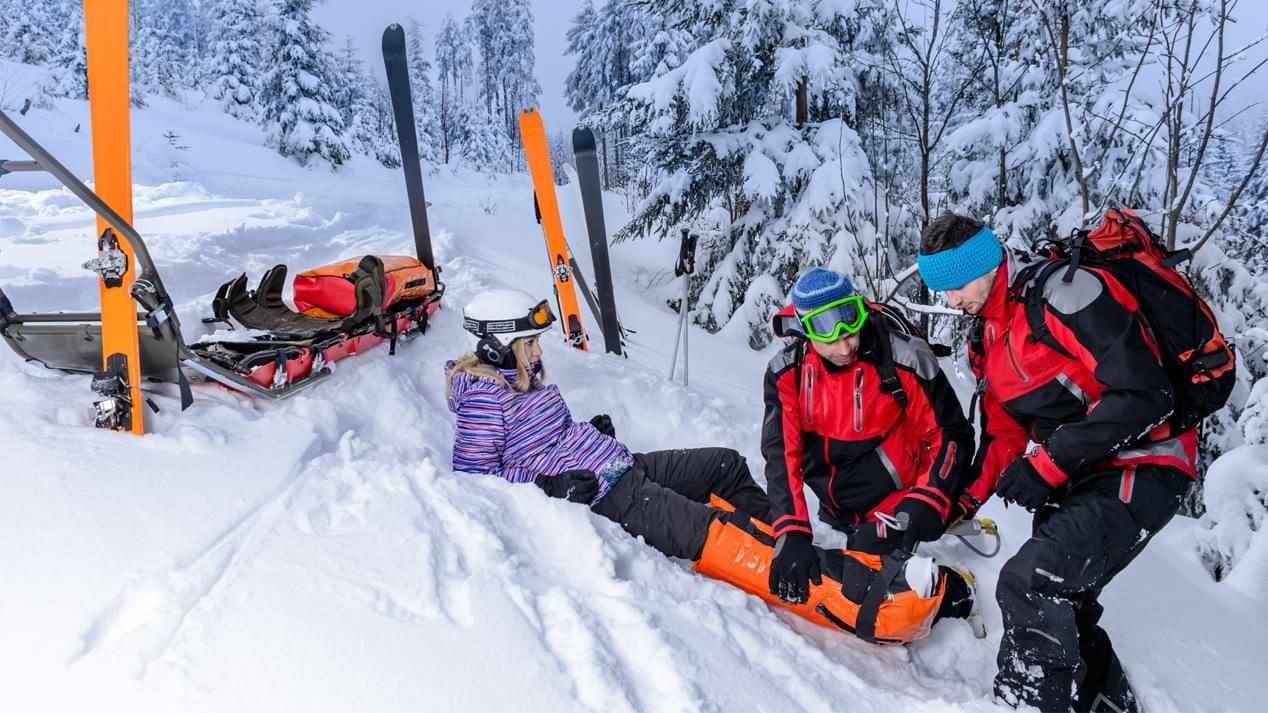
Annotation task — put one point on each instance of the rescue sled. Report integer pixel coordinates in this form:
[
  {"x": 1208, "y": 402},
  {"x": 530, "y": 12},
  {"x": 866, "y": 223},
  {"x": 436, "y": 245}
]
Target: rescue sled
[{"x": 343, "y": 309}]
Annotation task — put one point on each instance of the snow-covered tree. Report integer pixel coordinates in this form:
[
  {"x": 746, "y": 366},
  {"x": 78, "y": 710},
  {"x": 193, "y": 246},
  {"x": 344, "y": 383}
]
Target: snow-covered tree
[
  {"x": 455, "y": 67},
  {"x": 70, "y": 59},
  {"x": 502, "y": 32},
  {"x": 426, "y": 122},
  {"x": 234, "y": 67},
  {"x": 485, "y": 145},
  {"x": 606, "y": 46},
  {"x": 372, "y": 130},
  {"x": 162, "y": 46},
  {"x": 297, "y": 95},
  {"x": 1057, "y": 126},
  {"x": 769, "y": 196},
  {"x": 30, "y": 30}
]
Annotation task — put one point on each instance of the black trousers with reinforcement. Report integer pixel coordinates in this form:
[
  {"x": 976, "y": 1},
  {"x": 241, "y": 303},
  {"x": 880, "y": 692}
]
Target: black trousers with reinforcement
[
  {"x": 1054, "y": 655},
  {"x": 664, "y": 497}
]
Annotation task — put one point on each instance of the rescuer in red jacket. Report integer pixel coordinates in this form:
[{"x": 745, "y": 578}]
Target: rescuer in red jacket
[
  {"x": 1077, "y": 436},
  {"x": 861, "y": 413}
]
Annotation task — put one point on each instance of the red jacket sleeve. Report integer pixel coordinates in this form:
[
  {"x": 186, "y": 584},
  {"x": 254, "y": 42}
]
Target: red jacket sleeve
[{"x": 781, "y": 445}]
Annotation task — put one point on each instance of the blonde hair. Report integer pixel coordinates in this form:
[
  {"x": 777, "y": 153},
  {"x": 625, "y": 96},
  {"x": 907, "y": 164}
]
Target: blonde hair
[{"x": 524, "y": 382}]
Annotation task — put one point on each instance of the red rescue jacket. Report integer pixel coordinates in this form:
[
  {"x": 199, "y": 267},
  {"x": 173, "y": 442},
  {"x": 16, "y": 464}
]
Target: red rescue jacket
[
  {"x": 861, "y": 451},
  {"x": 1102, "y": 409}
]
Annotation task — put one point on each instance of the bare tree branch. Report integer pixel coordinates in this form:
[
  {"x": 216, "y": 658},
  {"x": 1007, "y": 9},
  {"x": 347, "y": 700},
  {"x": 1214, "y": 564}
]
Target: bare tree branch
[{"x": 1206, "y": 132}]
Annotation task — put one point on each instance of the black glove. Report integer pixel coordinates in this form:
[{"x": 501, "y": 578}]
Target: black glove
[
  {"x": 924, "y": 524},
  {"x": 603, "y": 424},
  {"x": 1021, "y": 484},
  {"x": 575, "y": 486},
  {"x": 795, "y": 564},
  {"x": 963, "y": 509}
]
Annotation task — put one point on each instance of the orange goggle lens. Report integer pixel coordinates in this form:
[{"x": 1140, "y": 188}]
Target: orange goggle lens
[{"x": 541, "y": 316}]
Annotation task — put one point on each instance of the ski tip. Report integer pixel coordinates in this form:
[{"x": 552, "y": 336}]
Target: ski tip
[
  {"x": 583, "y": 139},
  {"x": 393, "y": 37}
]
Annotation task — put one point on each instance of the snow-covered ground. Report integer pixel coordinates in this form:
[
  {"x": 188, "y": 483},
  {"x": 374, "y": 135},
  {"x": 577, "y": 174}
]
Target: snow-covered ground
[{"x": 320, "y": 554}]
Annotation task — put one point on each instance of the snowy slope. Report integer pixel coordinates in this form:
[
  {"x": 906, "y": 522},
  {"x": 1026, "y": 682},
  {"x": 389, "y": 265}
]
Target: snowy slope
[{"x": 320, "y": 554}]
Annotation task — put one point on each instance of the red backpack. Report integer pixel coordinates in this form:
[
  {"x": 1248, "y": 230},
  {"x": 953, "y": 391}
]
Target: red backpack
[{"x": 1200, "y": 363}]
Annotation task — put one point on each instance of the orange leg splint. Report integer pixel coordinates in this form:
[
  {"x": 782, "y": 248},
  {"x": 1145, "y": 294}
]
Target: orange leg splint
[{"x": 739, "y": 553}]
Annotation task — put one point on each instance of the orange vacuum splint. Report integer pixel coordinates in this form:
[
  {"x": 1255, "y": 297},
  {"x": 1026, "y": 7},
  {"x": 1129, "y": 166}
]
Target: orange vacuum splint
[{"x": 861, "y": 593}]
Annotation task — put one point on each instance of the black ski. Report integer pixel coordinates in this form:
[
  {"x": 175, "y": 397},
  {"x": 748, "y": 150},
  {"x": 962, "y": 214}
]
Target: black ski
[
  {"x": 592, "y": 201},
  {"x": 395, "y": 62}
]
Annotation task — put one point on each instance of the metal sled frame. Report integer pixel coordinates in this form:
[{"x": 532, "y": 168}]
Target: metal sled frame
[{"x": 71, "y": 341}]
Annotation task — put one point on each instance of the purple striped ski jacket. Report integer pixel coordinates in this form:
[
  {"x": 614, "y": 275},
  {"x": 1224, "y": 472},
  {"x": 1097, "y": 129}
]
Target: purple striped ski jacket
[{"x": 518, "y": 436}]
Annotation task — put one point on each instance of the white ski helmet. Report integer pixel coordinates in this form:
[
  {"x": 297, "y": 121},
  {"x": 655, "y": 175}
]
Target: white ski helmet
[{"x": 495, "y": 318}]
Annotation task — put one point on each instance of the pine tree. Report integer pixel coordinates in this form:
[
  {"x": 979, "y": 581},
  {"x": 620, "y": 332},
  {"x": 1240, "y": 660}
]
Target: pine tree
[
  {"x": 372, "y": 130},
  {"x": 502, "y": 31},
  {"x": 426, "y": 123},
  {"x": 454, "y": 61},
  {"x": 485, "y": 145},
  {"x": 1248, "y": 235},
  {"x": 234, "y": 68},
  {"x": 70, "y": 58},
  {"x": 162, "y": 45},
  {"x": 296, "y": 95},
  {"x": 771, "y": 196},
  {"x": 349, "y": 89},
  {"x": 29, "y": 35},
  {"x": 605, "y": 45}
]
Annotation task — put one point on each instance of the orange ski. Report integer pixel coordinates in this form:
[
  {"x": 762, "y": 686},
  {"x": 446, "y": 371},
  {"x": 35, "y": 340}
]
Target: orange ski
[
  {"x": 119, "y": 382},
  {"x": 536, "y": 150}
]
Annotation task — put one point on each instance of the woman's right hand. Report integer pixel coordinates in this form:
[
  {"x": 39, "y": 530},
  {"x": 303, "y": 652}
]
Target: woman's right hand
[
  {"x": 575, "y": 486},
  {"x": 603, "y": 424}
]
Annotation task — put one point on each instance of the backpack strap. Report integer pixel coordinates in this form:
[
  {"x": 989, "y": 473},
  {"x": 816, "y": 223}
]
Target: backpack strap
[
  {"x": 1077, "y": 246},
  {"x": 977, "y": 350},
  {"x": 1033, "y": 302},
  {"x": 890, "y": 383}
]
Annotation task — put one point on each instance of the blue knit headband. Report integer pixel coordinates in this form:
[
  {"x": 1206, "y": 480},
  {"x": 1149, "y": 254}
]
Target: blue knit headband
[{"x": 956, "y": 267}]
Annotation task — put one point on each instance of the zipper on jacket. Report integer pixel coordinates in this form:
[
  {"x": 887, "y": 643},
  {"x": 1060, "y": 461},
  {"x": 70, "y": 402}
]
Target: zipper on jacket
[
  {"x": 832, "y": 473},
  {"x": 1013, "y": 360},
  {"x": 808, "y": 396},
  {"x": 858, "y": 399}
]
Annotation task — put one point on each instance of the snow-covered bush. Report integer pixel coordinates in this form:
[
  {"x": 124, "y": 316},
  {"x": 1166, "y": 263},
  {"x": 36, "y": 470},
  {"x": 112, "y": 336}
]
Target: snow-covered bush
[{"x": 1233, "y": 533}]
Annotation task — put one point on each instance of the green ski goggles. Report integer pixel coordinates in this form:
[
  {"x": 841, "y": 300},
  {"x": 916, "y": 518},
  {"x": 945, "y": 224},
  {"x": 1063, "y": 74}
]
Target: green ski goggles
[{"x": 825, "y": 324}]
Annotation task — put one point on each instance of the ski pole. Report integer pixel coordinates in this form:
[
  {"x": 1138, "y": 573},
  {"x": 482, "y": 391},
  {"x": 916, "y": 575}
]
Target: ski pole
[{"x": 686, "y": 265}]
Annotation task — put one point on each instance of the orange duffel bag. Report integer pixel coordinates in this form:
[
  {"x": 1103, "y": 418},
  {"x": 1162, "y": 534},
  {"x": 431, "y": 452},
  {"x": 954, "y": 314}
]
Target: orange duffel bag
[{"x": 327, "y": 292}]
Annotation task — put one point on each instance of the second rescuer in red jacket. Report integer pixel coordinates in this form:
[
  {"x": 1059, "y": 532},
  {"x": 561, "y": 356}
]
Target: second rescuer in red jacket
[{"x": 862, "y": 414}]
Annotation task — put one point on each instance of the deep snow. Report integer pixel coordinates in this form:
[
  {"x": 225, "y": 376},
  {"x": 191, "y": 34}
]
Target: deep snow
[{"x": 320, "y": 554}]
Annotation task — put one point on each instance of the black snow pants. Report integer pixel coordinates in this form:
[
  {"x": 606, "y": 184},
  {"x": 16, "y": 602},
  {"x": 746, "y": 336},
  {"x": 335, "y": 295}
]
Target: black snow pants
[
  {"x": 1054, "y": 655},
  {"x": 664, "y": 497}
]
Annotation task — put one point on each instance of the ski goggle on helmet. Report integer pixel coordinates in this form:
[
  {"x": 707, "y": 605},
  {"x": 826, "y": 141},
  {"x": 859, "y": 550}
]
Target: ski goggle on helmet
[
  {"x": 537, "y": 320},
  {"x": 825, "y": 324}
]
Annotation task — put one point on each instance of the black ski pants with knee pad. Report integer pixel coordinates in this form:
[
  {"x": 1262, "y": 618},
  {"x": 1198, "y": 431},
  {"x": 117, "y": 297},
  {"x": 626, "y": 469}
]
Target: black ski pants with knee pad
[{"x": 1054, "y": 655}]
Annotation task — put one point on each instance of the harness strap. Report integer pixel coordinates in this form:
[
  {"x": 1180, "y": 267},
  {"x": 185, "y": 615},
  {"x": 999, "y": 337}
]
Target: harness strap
[{"x": 891, "y": 566}]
